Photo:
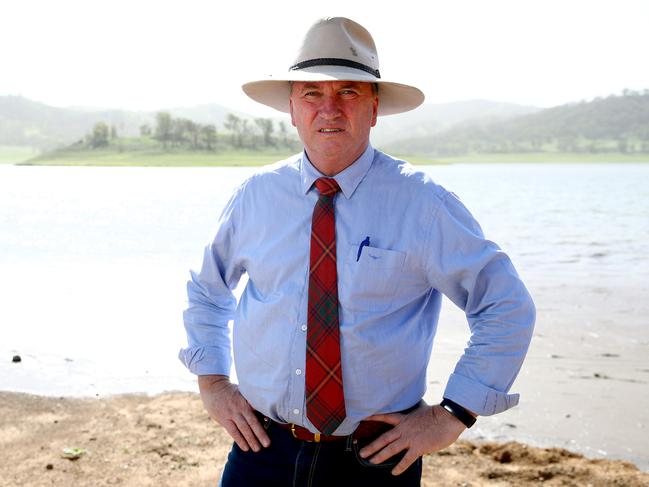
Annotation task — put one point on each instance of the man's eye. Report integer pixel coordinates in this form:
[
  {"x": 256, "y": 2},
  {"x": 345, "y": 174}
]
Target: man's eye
[
  {"x": 347, "y": 92},
  {"x": 311, "y": 93}
]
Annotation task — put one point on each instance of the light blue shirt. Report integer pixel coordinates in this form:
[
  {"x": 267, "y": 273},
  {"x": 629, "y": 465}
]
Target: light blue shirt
[{"x": 423, "y": 243}]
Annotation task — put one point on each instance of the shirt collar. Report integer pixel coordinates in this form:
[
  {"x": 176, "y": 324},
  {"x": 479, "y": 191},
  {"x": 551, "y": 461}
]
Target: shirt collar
[{"x": 348, "y": 180}]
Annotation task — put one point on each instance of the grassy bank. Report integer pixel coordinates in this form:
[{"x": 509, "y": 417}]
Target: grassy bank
[
  {"x": 11, "y": 154},
  {"x": 110, "y": 157},
  {"x": 154, "y": 155},
  {"x": 533, "y": 157}
]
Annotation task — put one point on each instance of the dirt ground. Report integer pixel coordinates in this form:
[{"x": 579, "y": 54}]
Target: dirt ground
[{"x": 168, "y": 440}]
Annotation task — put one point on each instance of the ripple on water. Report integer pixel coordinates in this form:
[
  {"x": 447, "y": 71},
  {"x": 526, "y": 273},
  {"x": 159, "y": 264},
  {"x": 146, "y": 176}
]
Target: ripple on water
[{"x": 599, "y": 255}]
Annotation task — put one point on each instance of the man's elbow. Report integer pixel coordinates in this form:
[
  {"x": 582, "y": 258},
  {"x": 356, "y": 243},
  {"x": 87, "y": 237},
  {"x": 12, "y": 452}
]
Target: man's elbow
[{"x": 530, "y": 318}]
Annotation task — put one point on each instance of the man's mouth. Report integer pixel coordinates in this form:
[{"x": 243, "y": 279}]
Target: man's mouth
[{"x": 330, "y": 131}]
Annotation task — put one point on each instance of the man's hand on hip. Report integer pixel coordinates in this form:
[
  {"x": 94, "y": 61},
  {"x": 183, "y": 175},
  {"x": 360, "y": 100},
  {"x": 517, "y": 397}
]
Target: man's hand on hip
[
  {"x": 427, "y": 429},
  {"x": 225, "y": 405}
]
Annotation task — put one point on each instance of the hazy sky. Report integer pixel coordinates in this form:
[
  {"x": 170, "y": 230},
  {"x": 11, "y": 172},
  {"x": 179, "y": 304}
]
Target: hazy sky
[{"x": 155, "y": 54}]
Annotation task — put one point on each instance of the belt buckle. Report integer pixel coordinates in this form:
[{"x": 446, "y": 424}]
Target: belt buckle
[{"x": 316, "y": 436}]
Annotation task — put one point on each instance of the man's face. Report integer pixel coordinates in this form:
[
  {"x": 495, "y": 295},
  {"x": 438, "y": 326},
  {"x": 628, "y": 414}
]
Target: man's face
[{"x": 333, "y": 119}]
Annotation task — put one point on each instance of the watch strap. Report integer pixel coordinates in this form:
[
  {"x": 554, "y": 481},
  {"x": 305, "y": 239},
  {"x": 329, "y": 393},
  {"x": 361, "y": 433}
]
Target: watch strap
[{"x": 459, "y": 412}]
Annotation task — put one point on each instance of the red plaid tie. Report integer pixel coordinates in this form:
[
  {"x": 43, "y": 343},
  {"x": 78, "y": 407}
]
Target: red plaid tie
[{"x": 325, "y": 403}]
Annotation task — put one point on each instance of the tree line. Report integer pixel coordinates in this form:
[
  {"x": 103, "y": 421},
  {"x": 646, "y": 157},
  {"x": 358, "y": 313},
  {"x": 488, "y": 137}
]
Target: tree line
[{"x": 183, "y": 133}]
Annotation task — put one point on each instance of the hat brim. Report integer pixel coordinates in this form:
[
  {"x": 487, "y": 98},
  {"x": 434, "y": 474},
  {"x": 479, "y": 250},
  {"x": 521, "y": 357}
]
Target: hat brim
[{"x": 275, "y": 91}]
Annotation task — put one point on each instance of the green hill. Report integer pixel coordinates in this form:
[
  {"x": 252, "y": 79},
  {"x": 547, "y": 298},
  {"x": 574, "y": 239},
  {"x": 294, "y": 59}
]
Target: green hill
[
  {"x": 29, "y": 123},
  {"x": 616, "y": 124},
  {"x": 615, "y": 128},
  {"x": 433, "y": 118}
]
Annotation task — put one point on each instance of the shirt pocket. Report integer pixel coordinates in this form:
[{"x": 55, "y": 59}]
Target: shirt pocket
[{"x": 369, "y": 284}]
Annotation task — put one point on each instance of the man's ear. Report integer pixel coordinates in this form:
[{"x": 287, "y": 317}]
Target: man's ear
[
  {"x": 375, "y": 110},
  {"x": 290, "y": 109}
]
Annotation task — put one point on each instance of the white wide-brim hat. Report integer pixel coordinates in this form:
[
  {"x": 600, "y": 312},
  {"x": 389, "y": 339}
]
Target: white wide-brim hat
[{"x": 336, "y": 49}]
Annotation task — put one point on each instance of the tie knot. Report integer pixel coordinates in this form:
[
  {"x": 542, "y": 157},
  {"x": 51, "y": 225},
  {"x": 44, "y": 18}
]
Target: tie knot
[{"x": 327, "y": 186}]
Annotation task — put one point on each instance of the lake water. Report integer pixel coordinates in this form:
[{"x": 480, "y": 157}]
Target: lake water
[{"x": 94, "y": 261}]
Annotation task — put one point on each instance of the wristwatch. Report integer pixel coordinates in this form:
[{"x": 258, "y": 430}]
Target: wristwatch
[{"x": 459, "y": 412}]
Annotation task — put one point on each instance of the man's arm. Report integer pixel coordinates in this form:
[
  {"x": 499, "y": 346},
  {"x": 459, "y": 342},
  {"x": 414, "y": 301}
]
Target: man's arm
[
  {"x": 211, "y": 306},
  {"x": 210, "y": 302},
  {"x": 479, "y": 278}
]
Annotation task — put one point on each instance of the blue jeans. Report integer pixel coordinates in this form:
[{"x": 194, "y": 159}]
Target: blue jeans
[{"x": 289, "y": 462}]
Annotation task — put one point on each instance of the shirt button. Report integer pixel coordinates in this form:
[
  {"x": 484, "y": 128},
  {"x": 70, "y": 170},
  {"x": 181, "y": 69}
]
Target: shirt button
[
  {"x": 303, "y": 327},
  {"x": 298, "y": 371},
  {"x": 296, "y": 411}
]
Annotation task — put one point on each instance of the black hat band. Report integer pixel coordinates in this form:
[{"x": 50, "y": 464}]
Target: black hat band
[{"x": 329, "y": 61}]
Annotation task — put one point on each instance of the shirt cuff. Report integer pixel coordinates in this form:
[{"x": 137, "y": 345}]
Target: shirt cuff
[
  {"x": 205, "y": 361},
  {"x": 477, "y": 397}
]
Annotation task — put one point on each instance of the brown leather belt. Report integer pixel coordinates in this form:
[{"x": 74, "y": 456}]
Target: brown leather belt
[{"x": 366, "y": 429}]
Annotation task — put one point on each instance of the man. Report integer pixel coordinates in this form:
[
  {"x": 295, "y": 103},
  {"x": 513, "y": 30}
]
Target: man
[{"x": 347, "y": 251}]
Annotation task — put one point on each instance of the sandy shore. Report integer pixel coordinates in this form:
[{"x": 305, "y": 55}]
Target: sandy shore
[
  {"x": 168, "y": 439},
  {"x": 584, "y": 387}
]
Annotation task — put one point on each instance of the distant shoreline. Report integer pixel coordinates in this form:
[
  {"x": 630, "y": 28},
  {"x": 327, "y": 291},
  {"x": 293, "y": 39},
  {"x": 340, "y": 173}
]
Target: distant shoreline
[{"x": 251, "y": 158}]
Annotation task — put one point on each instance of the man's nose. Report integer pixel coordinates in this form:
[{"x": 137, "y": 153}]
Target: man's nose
[{"x": 330, "y": 107}]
